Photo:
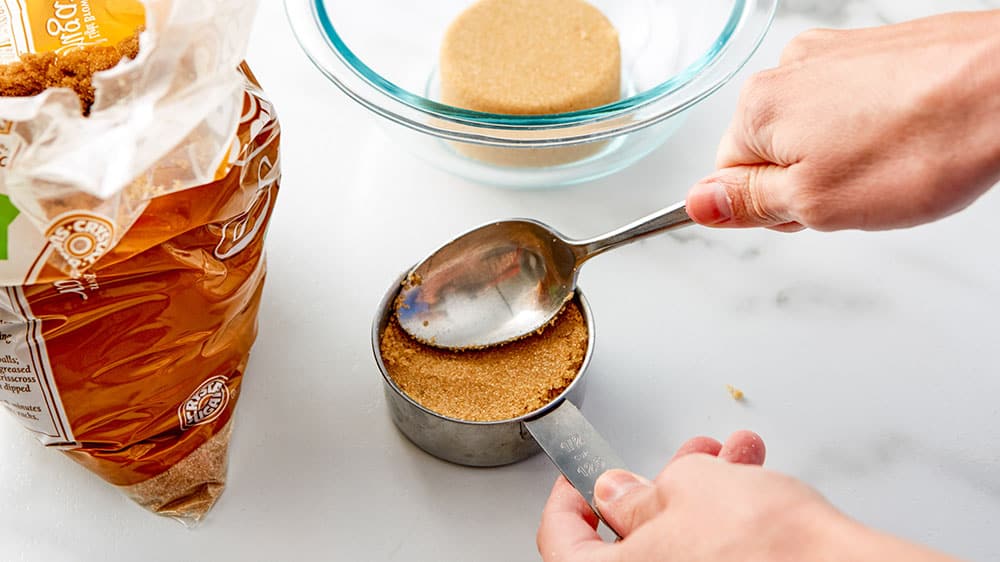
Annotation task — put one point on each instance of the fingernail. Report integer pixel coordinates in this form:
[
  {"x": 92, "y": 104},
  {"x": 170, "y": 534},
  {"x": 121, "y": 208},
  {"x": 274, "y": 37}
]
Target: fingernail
[
  {"x": 616, "y": 483},
  {"x": 708, "y": 203}
]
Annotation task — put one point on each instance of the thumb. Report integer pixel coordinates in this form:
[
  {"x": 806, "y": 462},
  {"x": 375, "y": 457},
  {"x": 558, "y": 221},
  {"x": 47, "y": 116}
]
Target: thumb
[
  {"x": 742, "y": 196},
  {"x": 626, "y": 500}
]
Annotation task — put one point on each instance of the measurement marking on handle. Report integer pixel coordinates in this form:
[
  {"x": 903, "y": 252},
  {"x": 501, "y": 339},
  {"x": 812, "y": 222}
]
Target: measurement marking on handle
[
  {"x": 592, "y": 468},
  {"x": 572, "y": 443},
  {"x": 581, "y": 454}
]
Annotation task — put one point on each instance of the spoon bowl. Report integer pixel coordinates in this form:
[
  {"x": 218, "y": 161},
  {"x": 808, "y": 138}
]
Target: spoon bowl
[
  {"x": 505, "y": 280},
  {"x": 491, "y": 285}
]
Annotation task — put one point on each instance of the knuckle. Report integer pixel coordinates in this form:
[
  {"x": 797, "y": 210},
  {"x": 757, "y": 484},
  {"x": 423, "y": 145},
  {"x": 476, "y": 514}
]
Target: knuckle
[
  {"x": 759, "y": 84},
  {"x": 734, "y": 148},
  {"x": 807, "y": 43},
  {"x": 625, "y": 511},
  {"x": 757, "y": 206},
  {"x": 817, "y": 37},
  {"x": 758, "y": 102},
  {"x": 820, "y": 196},
  {"x": 678, "y": 476},
  {"x": 635, "y": 508},
  {"x": 628, "y": 519},
  {"x": 682, "y": 469},
  {"x": 795, "y": 50}
]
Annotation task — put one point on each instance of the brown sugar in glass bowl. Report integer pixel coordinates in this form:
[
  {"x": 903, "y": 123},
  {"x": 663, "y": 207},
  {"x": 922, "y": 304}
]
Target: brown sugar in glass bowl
[
  {"x": 494, "y": 384},
  {"x": 674, "y": 55},
  {"x": 524, "y": 57},
  {"x": 530, "y": 57}
]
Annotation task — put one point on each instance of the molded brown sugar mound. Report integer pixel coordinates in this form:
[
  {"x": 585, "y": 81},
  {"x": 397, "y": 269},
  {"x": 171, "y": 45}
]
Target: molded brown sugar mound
[
  {"x": 497, "y": 383},
  {"x": 35, "y": 73},
  {"x": 530, "y": 57}
]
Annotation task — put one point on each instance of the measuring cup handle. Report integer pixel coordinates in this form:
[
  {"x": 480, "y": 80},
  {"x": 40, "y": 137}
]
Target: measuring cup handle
[{"x": 576, "y": 448}]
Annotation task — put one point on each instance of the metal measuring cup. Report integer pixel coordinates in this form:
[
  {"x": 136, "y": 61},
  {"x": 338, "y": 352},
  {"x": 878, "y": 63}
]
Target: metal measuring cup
[{"x": 558, "y": 428}]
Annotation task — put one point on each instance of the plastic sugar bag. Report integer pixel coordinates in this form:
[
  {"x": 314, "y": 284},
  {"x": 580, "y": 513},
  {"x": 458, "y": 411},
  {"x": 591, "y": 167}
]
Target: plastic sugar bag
[{"x": 132, "y": 218}]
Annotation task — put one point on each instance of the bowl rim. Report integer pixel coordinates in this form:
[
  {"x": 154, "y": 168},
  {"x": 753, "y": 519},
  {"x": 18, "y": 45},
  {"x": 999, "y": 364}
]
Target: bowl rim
[{"x": 744, "y": 30}]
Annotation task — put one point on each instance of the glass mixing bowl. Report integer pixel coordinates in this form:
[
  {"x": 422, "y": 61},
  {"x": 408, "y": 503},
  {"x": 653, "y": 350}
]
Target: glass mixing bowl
[{"x": 675, "y": 53}]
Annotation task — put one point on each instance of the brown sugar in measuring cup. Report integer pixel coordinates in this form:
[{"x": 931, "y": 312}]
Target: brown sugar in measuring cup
[
  {"x": 492, "y": 384},
  {"x": 461, "y": 441}
]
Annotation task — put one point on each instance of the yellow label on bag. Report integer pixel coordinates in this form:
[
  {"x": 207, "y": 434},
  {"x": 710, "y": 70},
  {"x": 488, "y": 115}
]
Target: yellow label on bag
[{"x": 62, "y": 26}]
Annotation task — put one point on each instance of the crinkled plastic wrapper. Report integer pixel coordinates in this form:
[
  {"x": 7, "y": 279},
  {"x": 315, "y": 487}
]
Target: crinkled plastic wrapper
[{"x": 131, "y": 242}]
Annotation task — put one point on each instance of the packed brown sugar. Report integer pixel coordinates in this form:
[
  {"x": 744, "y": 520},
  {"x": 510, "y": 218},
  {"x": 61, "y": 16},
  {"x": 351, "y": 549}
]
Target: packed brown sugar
[
  {"x": 492, "y": 384},
  {"x": 530, "y": 57}
]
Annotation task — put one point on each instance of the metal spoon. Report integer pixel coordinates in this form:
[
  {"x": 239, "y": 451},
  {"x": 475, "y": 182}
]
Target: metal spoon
[{"x": 505, "y": 280}]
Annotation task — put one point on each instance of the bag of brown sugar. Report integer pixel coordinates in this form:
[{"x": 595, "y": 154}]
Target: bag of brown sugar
[{"x": 138, "y": 170}]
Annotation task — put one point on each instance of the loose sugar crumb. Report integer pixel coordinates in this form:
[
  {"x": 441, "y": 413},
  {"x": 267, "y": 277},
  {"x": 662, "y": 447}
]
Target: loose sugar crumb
[{"x": 735, "y": 393}]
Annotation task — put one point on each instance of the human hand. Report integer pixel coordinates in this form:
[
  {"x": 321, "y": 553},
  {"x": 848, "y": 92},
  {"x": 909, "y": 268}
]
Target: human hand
[
  {"x": 874, "y": 129},
  {"x": 712, "y": 503}
]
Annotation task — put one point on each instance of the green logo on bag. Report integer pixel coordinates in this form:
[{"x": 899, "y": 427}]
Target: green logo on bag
[{"x": 8, "y": 212}]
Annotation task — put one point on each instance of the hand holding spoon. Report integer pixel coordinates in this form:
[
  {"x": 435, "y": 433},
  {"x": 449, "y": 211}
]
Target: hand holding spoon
[{"x": 505, "y": 280}]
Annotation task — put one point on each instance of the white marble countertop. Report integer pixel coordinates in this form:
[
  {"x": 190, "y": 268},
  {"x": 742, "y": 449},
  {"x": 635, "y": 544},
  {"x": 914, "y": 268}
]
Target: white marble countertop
[{"x": 869, "y": 360}]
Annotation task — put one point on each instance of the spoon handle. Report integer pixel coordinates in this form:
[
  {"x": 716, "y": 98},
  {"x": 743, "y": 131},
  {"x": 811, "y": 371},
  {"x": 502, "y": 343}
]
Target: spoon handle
[{"x": 674, "y": 216}]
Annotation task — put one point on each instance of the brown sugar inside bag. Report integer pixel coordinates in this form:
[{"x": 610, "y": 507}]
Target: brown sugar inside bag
[
  {"x": 34, "y": 73},
  {"x": 132, "y": 274}
]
